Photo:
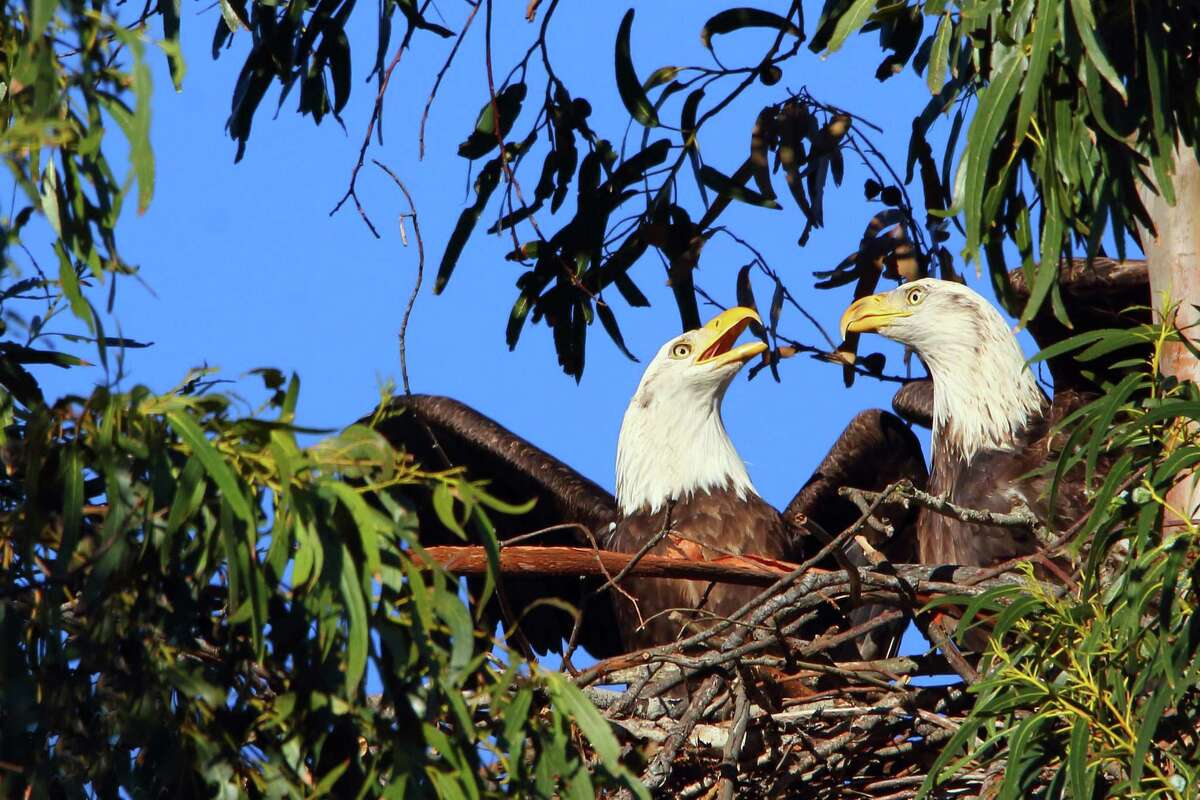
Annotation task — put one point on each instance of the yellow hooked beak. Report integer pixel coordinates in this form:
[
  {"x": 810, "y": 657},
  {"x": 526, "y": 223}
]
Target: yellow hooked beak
[
  {"x": 717, "y": 337},
  {"x": 871, "y": 313}
]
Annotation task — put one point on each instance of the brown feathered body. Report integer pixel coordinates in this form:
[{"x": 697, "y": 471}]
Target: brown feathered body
[
  {"x": 992, "y": 424},
  {"x": 706, "y": 526},
  {"x": 1001, "y": 481}
]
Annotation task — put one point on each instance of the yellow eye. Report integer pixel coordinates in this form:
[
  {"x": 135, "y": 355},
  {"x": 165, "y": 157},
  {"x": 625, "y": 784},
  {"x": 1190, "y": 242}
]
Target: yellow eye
[
  {"x": 915, "y": 295},
  {"x": 681, "y": 350}
]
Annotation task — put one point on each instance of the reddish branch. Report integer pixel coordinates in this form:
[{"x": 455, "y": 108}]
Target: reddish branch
[
  {"x": 534, "y": 561},
  {"x": 541, "y": 562}
]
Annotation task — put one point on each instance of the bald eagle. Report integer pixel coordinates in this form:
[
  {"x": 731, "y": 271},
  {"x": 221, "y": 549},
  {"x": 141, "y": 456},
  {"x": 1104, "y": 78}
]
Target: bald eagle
[
  {"x": 677, "y": 471},
  {"x": 993, "y": 427}
]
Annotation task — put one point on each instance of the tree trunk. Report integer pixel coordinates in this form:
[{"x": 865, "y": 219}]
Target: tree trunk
[{"x": 1173, "y": 254}]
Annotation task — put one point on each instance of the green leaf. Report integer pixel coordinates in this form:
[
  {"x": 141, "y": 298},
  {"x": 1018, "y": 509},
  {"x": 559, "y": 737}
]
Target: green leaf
[
  {"x": 189, "y": 493},
  {"x": 232, "y": 21},
  {"x": 357, "y": 630},
  {"x": 462, "y": 634},
  {"x": 366, "y": 519},
  {"x": 213, "y": 463},
  {"x": 1077, "y": 760},
  {"x": 310, "y": 556},
  {"x": 733, "y": 19},
  {"x": 1147, "y": 728},
  {"x": 609, "y": 321},
  {"x": 43, "y": 12},
  {"x": 516, "y": 320},
  {"x": 71, "y": 474},
  {"x": 659, "y": 77},
  {"x": 516, "y": 717},
  {"x": 724, "y": 185},
  {"x": 572, "y": 703},
  {"x": 1045, "y": 22},
  {"x": 850, "y": 21},
  {"x": 488, "y": 179},
  {"x": 982, "y": 138},
  {"x": 443, "y": 506},
  {"x": 49, "y": 197},
  {"x": 628, "y": 85},
  {"x": 1053, "y": 226},
  {"x": 687, "y": 127},
  {"x": 939, "y": 55},
  {"x": 68, "y": 279},
  {"x": 27, "y": 355},
  {"x": 485, "y": 137},
  {"x": 1085, "y": 23}
]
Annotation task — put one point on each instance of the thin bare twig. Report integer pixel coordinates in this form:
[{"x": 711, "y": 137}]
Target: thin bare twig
[
  {"x": 438, "y": 80},
  {"x": 412, "y": 298},
  {"x": 376, "y": 117}
]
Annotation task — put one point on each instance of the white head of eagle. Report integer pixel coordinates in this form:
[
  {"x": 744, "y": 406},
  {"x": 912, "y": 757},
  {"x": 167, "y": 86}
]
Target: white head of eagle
[
  {"x": 983, "y": 392},
  {"x": 673, "y": 442}
]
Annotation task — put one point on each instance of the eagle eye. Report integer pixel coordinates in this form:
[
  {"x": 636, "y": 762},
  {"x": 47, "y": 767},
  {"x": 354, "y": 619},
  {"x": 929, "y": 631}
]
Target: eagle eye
[
  {"x": 681, "y": 350},
  {"x": 915, "y": 295}
]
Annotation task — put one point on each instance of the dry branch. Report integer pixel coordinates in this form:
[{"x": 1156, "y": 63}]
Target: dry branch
[{"x": 540, "y": 562}]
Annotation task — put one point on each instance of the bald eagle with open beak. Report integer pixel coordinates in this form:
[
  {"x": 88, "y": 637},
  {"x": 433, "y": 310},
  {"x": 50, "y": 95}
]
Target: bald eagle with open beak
[
  {"x": 680, "y": 480},
  {"x": 682, "y": 490},
  {"x": 992, "y": 424}
]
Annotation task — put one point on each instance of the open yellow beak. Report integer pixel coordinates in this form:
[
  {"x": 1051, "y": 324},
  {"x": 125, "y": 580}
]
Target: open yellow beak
[
  {"x": 871, "y": 313},
  {"x": 717, "y": 337}
]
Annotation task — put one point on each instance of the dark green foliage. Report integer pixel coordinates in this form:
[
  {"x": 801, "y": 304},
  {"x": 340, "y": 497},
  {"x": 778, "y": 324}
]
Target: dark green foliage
[
  {"x": 1079, "y": 105},
  {"x": 192, "y": 604}
]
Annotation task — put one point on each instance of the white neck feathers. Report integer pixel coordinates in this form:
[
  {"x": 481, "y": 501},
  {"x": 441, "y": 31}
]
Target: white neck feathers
[
  {"x": 673, "y": 445},
  {"x": 983, "y": 393}
]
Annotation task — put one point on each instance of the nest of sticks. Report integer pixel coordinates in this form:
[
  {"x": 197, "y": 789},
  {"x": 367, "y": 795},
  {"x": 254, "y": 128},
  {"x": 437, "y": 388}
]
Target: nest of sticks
[{"x": 750, "y": 707}]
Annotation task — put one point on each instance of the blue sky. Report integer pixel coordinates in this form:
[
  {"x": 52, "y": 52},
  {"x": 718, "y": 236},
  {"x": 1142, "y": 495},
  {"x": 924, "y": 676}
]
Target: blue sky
[{"x": 244, "y": 267}]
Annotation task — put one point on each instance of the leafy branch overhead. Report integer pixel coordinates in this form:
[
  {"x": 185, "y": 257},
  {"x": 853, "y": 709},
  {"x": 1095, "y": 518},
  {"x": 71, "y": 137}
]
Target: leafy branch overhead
[{"x": 1054, "y": 125}]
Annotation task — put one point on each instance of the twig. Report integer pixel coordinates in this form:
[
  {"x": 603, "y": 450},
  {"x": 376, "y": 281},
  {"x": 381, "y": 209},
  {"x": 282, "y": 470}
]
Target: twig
[
  {"x": 1022, "y": 518},
  {"x": 733, "y": 746},
  {"x": 438, "y": 80},
  {"x": 937, "y": 634},
  {"x": 412, "y": 298},
  {"x": 509, "y": 175},
  {"x": 659, "y": 769},
  {"x": 376, "y": 116}
]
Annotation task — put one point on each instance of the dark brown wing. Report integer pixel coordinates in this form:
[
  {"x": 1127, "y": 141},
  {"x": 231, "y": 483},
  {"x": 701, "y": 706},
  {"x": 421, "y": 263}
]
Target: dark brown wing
[
  {"x": 875, "y": 450},
  {"x": 914, "y": 402},
  {"x": 1103, "y": 294},
  {"x": 441, "y": 433}
]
